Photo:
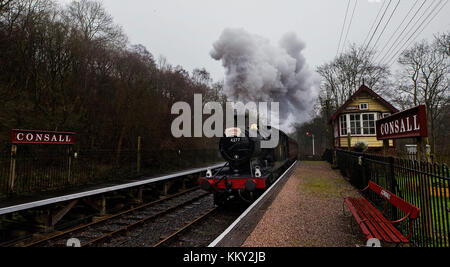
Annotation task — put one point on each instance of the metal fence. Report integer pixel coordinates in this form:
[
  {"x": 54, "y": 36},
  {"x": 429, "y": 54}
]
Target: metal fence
[
  {"x": 328, "y": 156},
  {"x": 433, "y": 158},
  {"x": 42, "y": 171},
  {"x": 422, "y": 184}
]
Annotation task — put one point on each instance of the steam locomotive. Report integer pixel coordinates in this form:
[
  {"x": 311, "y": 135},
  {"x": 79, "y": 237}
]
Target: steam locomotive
[{"x": 250, "y": 168}]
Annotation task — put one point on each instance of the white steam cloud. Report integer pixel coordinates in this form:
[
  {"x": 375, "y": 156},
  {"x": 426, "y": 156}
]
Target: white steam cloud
[{"x": 259, "y": 71}]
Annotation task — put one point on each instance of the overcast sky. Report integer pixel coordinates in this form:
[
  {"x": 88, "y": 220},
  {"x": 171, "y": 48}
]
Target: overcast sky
[{"x": 184, "y": 30}]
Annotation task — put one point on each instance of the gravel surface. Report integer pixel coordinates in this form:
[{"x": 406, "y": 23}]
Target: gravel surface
[{"x": 308, "y": 212}]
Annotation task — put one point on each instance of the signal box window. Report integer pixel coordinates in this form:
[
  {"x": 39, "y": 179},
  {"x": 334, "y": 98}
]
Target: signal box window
[
  {"x": 355, "y": 124},
  {"x": 343, "y": 125},
  {"x": 364, "y": 106},
  {"x": 369, "y": 124}
]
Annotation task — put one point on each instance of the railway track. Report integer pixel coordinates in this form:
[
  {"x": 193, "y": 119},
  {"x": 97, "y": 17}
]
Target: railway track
[
  {"x": 187, "y": 218},
  {"x": 207, "y": 227},
  {"x": 173, "y": 235},
  {"x": 202, "y": 231},
  {"x": 102, "y": 231}
]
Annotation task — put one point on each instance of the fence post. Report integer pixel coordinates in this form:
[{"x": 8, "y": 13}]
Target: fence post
[
  {"x": 69, "y": 154},
  {"x": 425, "y": 186},
  {"x": 12, "y": 168},
  {"x": 386, "y": 147},
  {"x": 365, "y": 181},
  {"x": 138, "y": 163},
  {"x": 391, "y": 175},
  {"x": 393, "y": 183},
  {"x": 179, "y": 159}
]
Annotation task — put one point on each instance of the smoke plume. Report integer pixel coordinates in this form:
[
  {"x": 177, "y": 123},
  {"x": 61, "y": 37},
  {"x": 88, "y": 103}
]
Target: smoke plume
[{"x": 259, "y": 71}]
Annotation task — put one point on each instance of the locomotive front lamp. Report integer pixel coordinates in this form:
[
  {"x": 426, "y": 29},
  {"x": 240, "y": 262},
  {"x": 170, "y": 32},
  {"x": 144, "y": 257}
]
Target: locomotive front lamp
[{"x": 257, "y": 172}]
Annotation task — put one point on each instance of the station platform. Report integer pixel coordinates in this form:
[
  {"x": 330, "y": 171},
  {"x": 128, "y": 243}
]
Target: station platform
[
  {"x": 23, "y": 203},
  {"x": 308, "y": 212}
]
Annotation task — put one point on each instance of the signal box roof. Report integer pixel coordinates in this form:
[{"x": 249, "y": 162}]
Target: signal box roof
[{"x": 362, "y": 89}]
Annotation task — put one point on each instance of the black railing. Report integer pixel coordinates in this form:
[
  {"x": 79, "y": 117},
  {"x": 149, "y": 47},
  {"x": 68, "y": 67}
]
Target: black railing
[
  {"x": 328, "y": 156},
  {"x": 35, "y": 173},
  {"x": 433, "y": 157},
  {"x": 422, "y": 184}
]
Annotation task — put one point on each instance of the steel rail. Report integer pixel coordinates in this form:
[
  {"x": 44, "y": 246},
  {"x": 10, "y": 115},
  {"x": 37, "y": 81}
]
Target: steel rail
[
  {"x": 139, "y": 222},
  {"x": 182, "y": 229},
  {"x": 221, "y": 237},
  {"x": 104, "y": 220}
]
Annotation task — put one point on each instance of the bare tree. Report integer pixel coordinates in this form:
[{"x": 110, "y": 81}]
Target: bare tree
[
  {"x": 444, "y": 42},
  {"x": 343, "y": 76},
  {"x": 424, "y": 79},
  {"x": 4, "y": 4},
  {"x": 69, "y": 68},
  {"x": 91, "y": 18}
]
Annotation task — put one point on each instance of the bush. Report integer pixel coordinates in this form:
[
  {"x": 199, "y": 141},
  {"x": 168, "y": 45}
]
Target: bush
[{"x": 361, "y": 146}]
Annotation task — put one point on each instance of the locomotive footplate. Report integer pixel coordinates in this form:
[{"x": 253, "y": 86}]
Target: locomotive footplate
[
  {"x": 226, "y": 188},
  {"x": 249, "y": 184}
]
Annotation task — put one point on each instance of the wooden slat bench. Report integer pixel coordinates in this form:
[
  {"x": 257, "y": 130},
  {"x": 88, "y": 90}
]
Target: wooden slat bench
[{"x": 372, "y": 222}]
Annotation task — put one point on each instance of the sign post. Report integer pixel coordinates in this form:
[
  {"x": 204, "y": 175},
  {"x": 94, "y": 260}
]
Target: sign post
[
  {"x": 411, "y": 123},
  {"x": 12, "y": 168},
  {"x": 386, "y": 147}
]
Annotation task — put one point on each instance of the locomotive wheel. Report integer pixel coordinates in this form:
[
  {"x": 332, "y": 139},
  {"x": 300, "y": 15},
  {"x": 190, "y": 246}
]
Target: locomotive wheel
[
  {"x": 270, "y": 180},
  {"x": 219, "y": 199}
]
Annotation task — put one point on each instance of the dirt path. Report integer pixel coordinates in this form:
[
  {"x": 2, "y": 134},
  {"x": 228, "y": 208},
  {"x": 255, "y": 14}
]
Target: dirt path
[{"x": 308, "y": 212}]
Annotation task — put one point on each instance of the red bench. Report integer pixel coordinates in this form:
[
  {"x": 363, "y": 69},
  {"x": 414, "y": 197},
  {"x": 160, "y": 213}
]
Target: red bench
[{"x": 372, "y": 222}]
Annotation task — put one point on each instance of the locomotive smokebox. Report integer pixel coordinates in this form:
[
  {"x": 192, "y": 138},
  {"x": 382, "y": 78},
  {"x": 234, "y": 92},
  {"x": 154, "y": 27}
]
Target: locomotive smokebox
[{"x": 237, "y": 150}]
